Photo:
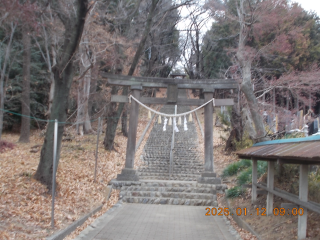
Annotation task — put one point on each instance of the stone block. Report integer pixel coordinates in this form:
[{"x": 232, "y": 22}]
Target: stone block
[
  {"x": 209, "y": 174},
  {"x": 209, "y": 180},
  {"x": 163, "y": 201},
  {"x": 176, "y": 202},
  {"x": 128, "y": 175}
]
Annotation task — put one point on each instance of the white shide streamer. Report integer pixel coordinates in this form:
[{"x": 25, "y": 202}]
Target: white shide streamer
[
  {"x": 165, "y": 124},
  {"x": 170, "y": 115},
  {"x": 185, "y": 127},
  {"x": 175, "y": 125}
]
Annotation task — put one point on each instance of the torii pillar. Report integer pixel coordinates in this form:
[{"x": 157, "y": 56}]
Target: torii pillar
[
  {"x": 208, "y": 176},
  {"x": 128, "y": 173}
]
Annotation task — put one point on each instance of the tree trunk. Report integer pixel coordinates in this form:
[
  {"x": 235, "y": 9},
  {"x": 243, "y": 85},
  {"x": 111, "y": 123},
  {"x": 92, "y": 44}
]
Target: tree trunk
[
  {"x": 92, "y": 105},
  {"x": 112, "y": 123},
  {"x": 83, "y": 119},
  {"x": 51, "y": 93},
  {"x": 63, "y": 76},
  {"x": 236, "y": 125},
  {"x": 54, "y": 62},
  {"x": 58, "y": 111},
  {"x": 245, "y": 59},
  {"x": 246, "y": 88},
  {"x": 25, "y": 96},
  {"x": 113, "y": 115},
  {"x": 2, "y": 76}
]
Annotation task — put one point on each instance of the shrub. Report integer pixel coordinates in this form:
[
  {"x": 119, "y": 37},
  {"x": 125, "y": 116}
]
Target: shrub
[
  {"x": 234, "y": 192},
  {"x": 244, "y": 163},
  {"x": 262, "y": 167},
  {"x": 231, "y": 169},
  {"x": 245, "y": 176},
  {"x": 244, "y": 170},
  {"x": 245, "y": 142},
  {"x": 235, "y": 167},
  {"x": 293, "y": 135}
]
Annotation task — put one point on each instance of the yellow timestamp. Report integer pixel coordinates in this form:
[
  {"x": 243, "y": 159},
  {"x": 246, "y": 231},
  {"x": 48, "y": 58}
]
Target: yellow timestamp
[
  {"x": 283, "y": 211},
  {"x": 258, "y": 212}
]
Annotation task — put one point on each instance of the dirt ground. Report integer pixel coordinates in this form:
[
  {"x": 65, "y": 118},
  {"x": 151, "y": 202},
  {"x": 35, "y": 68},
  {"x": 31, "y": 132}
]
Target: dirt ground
[
  {"x": 275, "y": 226},
  {"x": 25, "y": 204}
]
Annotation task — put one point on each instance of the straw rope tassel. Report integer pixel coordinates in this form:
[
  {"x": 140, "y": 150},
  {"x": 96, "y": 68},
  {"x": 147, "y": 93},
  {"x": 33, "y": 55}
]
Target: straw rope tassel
[
  {"x": 179, "y": 121},
  {"x": 190, "y": 117},
  {"x": 149, "y": 114},
  {"x": 170, "y": 122},
  {"x": 159, "y": 119}
]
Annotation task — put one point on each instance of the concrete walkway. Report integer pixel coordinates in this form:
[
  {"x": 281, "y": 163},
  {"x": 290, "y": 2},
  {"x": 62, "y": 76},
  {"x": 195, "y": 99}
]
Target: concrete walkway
[{"x": 158, "y": 222}]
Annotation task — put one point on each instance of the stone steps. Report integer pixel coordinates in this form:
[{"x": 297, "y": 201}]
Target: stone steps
[
  {"x": 182, "y": 184},
  {"x": 176, "y": 178},
  {"x": 181, "y": 166},
  {"x": 156, "y": 186},
  {"x": 174, "y": 171},
  {"x": 165, "y": 169},
  {"x": 177, "y": 154},
  {"x": 169, "y": 189},
  {"x": 167, "y": 174},
  {"x": 180, "y": 195},
  {"x": 177, "y": 161},
  {"x": 166, "y": 183},
  {"x": 171, "y": 201},
  {"x": 166, "y": 164}
]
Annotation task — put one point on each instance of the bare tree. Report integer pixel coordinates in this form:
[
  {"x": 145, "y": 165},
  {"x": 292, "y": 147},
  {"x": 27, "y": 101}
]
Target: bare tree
[
  {"x": 267, "y": 32},
  {"x": 73, "y": 20},
  {"x": 191, "y": 53},
  {"x": 245, "y": 60},
  {"x": 25, "y": 96},
  {"x": 113, "y": 116},
  {"x": 3, "y": 72}
]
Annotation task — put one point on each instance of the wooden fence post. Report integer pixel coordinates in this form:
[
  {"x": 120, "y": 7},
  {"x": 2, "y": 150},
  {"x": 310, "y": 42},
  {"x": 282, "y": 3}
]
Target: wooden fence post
[
  {"x": 254, "y": 180},
  {"x": 270, "y": 186},
  {"x": 303, "y": 196}
]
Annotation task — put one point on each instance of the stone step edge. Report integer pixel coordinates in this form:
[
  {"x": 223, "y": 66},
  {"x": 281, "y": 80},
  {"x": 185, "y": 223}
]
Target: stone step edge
[
  {"x": 165, "y": 189},
  {"x": 148, "y": 182},
  {"x": 173, "y": 174},
  {"x": 182, "y": 193},
  {"x": 140, "y": 200}
]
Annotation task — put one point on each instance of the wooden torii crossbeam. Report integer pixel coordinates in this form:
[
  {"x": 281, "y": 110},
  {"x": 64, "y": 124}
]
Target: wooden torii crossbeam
[{"x": 137, "y": 83}]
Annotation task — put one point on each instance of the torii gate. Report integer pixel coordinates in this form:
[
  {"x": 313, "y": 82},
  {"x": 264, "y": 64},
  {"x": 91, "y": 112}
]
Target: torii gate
[{"x": 137, "y": 83}]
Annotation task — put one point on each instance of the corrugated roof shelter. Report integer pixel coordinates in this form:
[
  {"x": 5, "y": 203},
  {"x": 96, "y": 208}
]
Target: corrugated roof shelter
[
  {"x": 303, "y": 151},
  {"x": 296, "y": 150}
]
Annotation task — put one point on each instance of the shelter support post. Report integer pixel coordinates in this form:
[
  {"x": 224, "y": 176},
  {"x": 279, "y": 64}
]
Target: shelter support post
[
  {"x": 128, "y": 173},
  {"x": 254, "y": 180},
  {"x": 303, "y": 196},
  {"x": 208, "y": 176},
  {"x": 270, "y": 186}
]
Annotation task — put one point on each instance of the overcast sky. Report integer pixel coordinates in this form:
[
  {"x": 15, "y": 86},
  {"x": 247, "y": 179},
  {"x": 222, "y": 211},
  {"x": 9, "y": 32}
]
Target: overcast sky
[{"x": 309, "y": 5}]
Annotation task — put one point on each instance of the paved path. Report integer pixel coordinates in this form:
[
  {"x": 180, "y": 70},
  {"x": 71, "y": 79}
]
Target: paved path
[{"x": 157, "y": 222}]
